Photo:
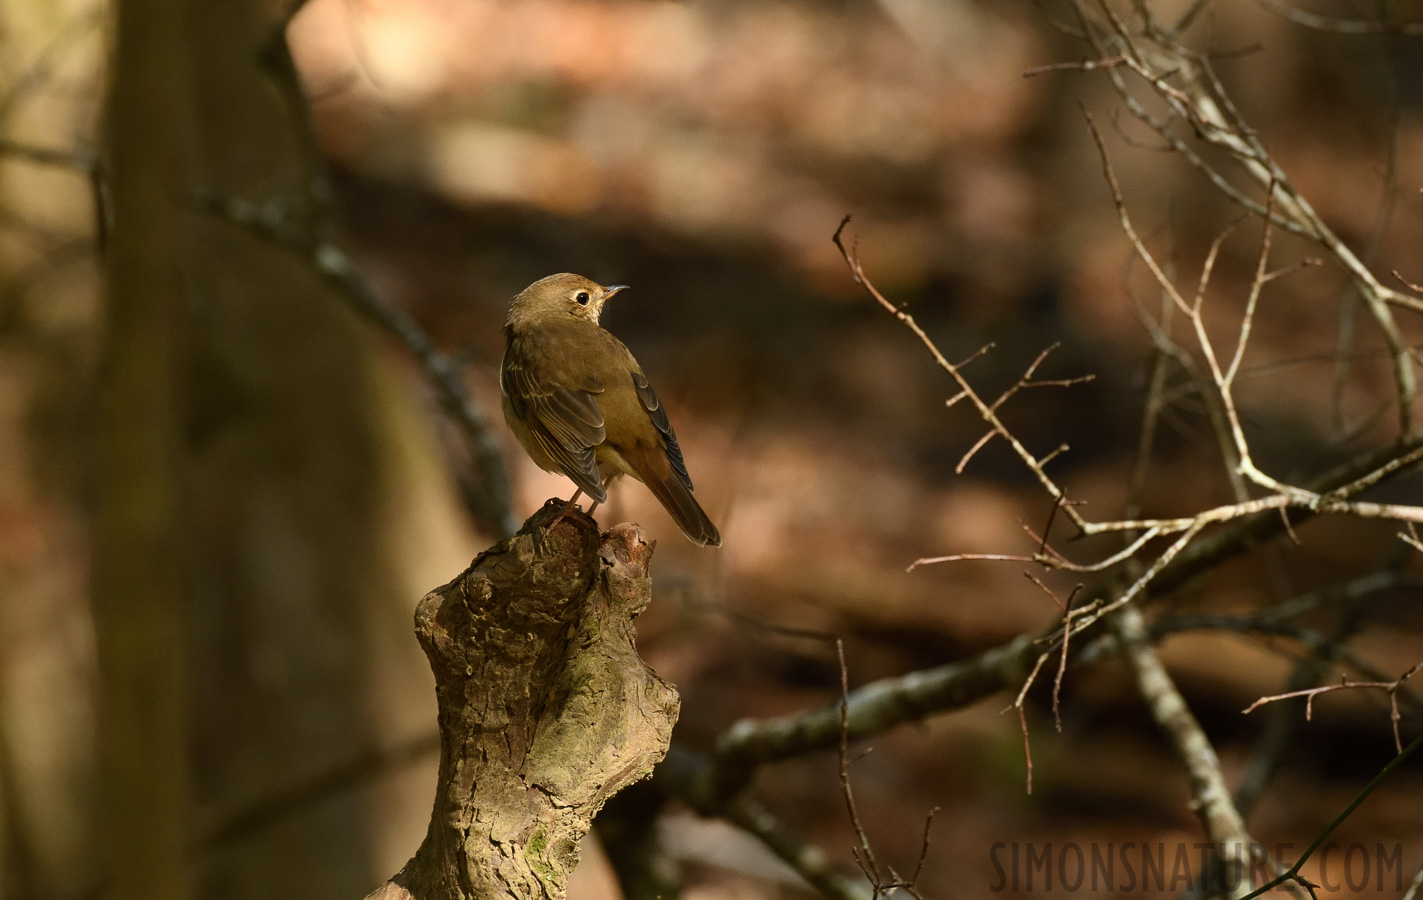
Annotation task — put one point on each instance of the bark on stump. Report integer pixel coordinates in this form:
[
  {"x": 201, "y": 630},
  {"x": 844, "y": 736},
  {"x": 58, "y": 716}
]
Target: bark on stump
[{"x": 545, "y": 708}]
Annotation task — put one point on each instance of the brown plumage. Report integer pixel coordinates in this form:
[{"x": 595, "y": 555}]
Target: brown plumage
[{"x": 580, "y": 405}]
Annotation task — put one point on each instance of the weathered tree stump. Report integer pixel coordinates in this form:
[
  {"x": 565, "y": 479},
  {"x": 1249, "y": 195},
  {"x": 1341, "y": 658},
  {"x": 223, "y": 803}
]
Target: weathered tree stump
[{"x": 545, "y": 708}]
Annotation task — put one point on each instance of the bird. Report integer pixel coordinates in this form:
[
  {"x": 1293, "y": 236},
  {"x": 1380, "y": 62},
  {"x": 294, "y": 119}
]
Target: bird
[{"x": 580, "y": 405}]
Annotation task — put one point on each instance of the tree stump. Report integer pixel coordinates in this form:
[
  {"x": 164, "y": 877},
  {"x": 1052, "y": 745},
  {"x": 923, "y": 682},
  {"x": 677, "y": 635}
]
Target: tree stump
[{"x": 545, "y": 708}]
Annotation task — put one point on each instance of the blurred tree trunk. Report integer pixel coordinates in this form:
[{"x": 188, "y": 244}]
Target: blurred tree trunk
[
  {"x": 294, "y": 473},
  {"x": 141, "y": 604},
  {"x": 248, "y": 515}
]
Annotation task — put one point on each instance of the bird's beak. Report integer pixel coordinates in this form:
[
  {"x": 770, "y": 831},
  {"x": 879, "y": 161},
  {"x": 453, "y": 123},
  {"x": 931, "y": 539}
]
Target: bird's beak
[{"x": 612, "y": 289}]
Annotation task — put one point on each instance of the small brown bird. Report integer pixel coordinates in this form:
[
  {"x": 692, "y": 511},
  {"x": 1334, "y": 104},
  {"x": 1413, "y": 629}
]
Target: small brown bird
[{"x": 580, "y": 405}]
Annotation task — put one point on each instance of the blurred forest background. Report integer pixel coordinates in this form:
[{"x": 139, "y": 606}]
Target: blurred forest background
[{"x": 303, "y": 486}]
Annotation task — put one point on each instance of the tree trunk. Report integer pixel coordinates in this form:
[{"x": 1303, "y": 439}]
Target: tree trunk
[
  {"x": 140, "y": 599},
  {"x": 546, "y": 710}
]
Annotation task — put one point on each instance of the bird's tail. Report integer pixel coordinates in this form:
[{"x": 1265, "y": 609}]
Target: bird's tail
[{"x": 677, "y": 499}]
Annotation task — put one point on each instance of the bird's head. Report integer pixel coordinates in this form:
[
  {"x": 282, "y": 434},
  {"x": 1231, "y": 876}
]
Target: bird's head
[{"x": 558, "y": 295}]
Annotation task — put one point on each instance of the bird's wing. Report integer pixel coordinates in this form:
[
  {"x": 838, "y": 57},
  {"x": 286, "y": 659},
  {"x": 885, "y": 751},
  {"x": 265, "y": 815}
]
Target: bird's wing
[
  {"x": 566, "y": 422},
  {"x": 650, "y": 402}
]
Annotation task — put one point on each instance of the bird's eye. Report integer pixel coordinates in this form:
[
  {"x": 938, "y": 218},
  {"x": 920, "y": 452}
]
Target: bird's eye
[{"x": 582, "y": 298}]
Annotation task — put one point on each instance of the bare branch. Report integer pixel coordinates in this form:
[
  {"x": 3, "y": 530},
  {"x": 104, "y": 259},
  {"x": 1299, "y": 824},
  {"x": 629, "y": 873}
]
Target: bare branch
[
  {"x": 495, "y": 508},
  {"x": 1211, "y": 798},
  {"x": 1162, "y": 62},
  {"x": 687, "y": 775},
  {"x": 807, "y": 860},
  {"x": 77, "y": 160},
  {"x": 873, "y": 708},
  {"x": 1414, "y": 885},
  {"x": 1339, "y": 26},
  {"x": 1390, "y": 687},
  {"x": 988, "y": 413}
]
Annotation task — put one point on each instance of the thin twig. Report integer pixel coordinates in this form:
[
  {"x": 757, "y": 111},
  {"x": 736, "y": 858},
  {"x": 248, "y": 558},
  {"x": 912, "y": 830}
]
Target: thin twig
[
  {"x": 1390, "y": 687},
  {"x": 686, "y": 775},
  {"x": 1292, "y": 874},
  {"x": 1163, "y": 63},
  {"x": 865, "y": 855}
]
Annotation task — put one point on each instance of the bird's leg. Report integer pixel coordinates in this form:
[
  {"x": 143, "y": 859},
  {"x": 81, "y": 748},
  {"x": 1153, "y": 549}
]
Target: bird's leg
[
  {"x": 548, "y": 526},
  {"x": 567, "y": 508},
  {"x": 606, "y": 482}
]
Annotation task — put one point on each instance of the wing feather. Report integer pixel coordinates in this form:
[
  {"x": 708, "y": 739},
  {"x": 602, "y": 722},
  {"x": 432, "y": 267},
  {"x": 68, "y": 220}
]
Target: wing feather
[
  {"x": 566, "y": 423},
  {"x": 653, "y": 405}
]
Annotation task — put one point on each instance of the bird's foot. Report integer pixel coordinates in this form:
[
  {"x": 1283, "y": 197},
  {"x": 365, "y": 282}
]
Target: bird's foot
[{"x": 541, "y": 530}]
